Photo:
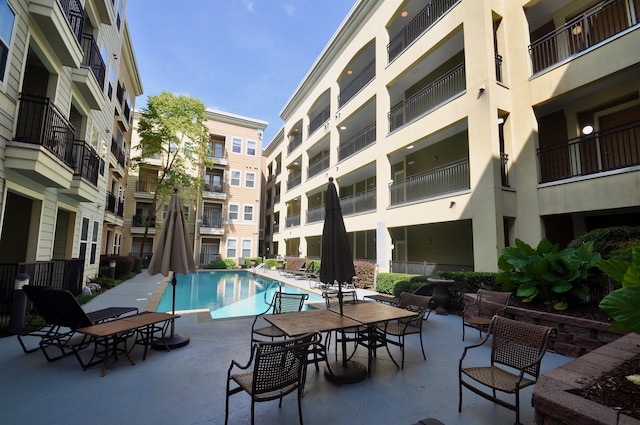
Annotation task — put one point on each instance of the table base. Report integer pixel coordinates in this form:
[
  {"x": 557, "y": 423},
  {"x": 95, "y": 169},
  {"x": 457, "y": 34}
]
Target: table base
[
  {"x": 172, "y": 341},
  {"x": 352, "y": 372}
]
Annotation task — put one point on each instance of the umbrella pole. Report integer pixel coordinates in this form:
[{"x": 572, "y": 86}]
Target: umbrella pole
[{"x": 173, "y": 341}]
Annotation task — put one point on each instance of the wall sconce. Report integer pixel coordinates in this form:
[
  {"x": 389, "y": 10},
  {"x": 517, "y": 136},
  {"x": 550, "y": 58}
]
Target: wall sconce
[
  {"x": 587, "y": 129},
  {"x": 411, "y": 162},
  {"x": 452, "y": 204},
  {"x": 481, "y": 89}
]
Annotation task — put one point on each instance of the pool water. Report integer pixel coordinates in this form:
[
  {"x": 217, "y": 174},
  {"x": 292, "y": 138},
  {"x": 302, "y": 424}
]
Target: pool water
[{"x": 226, "y": 294}]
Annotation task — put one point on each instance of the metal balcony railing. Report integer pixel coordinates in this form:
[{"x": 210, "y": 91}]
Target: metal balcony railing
[
  {"x": 605, "y": 150},
  {"x": 294, "y": 143},
  {"x": 358, "y": 142},
  {"x": 40, "y": 122},
  {"x": 217, "y": 188},
  {"x": 294, "y": 181},
  {"x": 357, "y": 83},
  {"x": 110, "y": 205},
  {"x": 212, "y": 218},
  {"x": 359, "y": 203},
  {"x": 316, "y": 214},
  {"x": 92, "y": 59},
  {"x": 318, "y": 166},
  {"x": 292, "y": 221},
  {"x": 319, "y": 119},
  {"x": 146, "y": 185},
  {"x": 86, "y": 162},
  {"x": 449, "y": 178},
  {"x": 588, "y": 29},
  {"x": 424, "y": 20},
  {"x": 74, "y": 13},
  {"x": 118, "y": 153},
  {"x": 429, "y": 98}
]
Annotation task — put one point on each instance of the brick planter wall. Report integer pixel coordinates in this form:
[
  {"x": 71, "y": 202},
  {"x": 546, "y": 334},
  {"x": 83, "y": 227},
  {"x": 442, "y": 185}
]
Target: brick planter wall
[
  {"x": 575, "y": 336},
  {"x": 555, "y": 405}
]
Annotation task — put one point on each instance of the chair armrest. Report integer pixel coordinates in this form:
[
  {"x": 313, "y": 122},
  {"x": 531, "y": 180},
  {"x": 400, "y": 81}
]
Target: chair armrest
[
  {"x": 469, "y": 347},
  {"x": 241, "y": 366}
]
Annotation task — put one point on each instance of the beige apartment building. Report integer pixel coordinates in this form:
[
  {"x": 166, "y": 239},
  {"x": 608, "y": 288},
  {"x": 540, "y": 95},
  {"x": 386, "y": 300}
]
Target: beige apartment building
[
  {"x": 453, "y": 127},
  {"x": 224, "y": 221},
  {"x": 68, "y": 81}
]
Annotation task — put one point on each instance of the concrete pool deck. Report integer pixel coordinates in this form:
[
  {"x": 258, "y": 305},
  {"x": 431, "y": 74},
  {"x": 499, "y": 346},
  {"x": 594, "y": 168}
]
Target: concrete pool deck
[{"x": 187, "y": 385}]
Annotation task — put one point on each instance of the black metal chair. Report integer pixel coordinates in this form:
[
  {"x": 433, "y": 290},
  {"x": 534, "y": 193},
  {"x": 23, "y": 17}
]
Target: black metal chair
[
  {"x": 517, "y": 349},
  {"x": 478, "y": 314},
  {"x": 274, "y": 370},
  {"x": 282, "y": 302}
]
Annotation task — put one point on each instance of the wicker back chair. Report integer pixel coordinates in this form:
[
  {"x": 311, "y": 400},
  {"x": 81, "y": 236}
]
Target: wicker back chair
[
  {"x": 282, "y": 302},
  {"x": 278, "y": 370},
  {"x": 478, "y": 315},
  {"x": 395, "y": 331},
  {"x": 517, "y": 345}
]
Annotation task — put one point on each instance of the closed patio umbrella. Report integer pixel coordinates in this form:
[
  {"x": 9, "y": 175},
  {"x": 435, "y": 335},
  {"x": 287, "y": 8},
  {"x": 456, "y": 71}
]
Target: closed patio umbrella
[
  {"x": 336, "y": 266},
  {"x": 173, "y": 253}
]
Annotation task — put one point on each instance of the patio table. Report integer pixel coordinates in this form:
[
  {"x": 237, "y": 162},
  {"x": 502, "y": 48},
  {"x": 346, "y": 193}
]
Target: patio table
[{"x": 112, "y": 335}]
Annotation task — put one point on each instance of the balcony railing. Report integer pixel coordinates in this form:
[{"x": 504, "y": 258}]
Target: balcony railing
[
  {"x": 86, "y": 162},
  {"x": 294, "y": 143},
  {"x": 358, "y": 82},
  {"x": 319, "y": 119},
  {"x": 276, "y": 227},
  {"x": 212, "y": 218},
  {"x": 429, "y": 98},
  {"x": 208, "y": 258},
  {"x": 498, "y": 68},
  {"x": 111, "y": 203},
  {"x": 92, "y": 59},
  {"x": 146, "y": 185},
  {"x": 217, "y": 188},
  {"x": 606, "y": 150},
  {"x": 449, "y": 178},
  {"x": 318, "y": 166},
  {"x": 139, "y": 221},
  {"x": 316, "y": 214},
  {"x": 357, "y": 142},
  {"x": 294, "y": 181},
  {"x": 588, "y": 29},
  {"x": 41, "y": 123},
  {"x": 118, "y": 153},
  {"x": 359, "y": 203},
  {"x": 292, "y": 221},
  {"x": 428, "y": 16},
  {"x": 74, "y": 12}
]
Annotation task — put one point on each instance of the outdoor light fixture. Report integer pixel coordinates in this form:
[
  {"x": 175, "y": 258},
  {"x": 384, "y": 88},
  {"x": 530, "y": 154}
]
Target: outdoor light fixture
[
  {"x": 410, "y": 147},
  {"x": 343, "y": 127},
  {"x": 587, "y": 129},
  {"x": 452, "y": 204},
  {"x": 404, "y": 14}
]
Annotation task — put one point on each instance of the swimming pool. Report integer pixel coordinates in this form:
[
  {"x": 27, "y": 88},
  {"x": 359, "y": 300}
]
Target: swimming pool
[{"x": 225, "y": 294}]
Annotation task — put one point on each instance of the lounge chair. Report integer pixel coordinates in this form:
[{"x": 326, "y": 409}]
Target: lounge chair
[
  {"x": 63, "y": 315},
  {"x": 517, "y": 349},
  {"x": 478, "y": 315},
  {"x": 274, "y": 370}
]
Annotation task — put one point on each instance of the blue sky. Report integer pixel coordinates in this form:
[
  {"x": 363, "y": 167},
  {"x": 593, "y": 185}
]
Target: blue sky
[{"x": 240, "y": 56}]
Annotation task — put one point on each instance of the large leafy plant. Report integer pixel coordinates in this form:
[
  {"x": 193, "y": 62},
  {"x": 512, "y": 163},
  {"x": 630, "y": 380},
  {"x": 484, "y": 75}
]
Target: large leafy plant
[
  {"x": 546, "y": 273},
  {"x": 623, "y": 305}
]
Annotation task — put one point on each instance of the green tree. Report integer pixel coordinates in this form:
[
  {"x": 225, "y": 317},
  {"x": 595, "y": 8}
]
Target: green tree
[{"x": 174, "y": 141}]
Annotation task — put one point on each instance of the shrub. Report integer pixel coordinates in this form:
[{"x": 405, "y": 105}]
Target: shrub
[
  {"x": 229, "y": 263},
  {"x": 216, "y": 264},
  {"x": 271, "y": 262},
  {"x": 365, "y": 272},
  {"x": 124, "y": 265},
  {"x": 386, "y": 281},
  {"x": 545, "y": 272},
  {"x": 608, "y": 241},
  {"x": 402, "y": 286}
]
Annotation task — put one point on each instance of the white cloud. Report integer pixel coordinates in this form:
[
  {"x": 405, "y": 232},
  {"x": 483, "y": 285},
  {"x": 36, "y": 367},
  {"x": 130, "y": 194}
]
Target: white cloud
[
  {"x": 249, "y": 5},
  {"x": 290, "y": 9}
]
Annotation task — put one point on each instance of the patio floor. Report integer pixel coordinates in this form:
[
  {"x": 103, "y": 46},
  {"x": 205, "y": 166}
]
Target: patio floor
[{"x": 187, "y": 385}]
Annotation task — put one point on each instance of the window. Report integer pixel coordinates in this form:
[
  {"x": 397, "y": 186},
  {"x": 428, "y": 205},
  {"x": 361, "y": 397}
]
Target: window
[
  {"x": 234, "y": 211},
  {"x": 250, "y": 180},
  {"x": 84, "y": 236},
  {"x": 216, "y": 146},
  {"x": 251, "y": 147},
  {"x": 246, "y": 248},
  {"x": 232, "y": 248},
  {"x": 236, "y": 145},
  {"x": 7, "y": 18},
  {"x": 248, "y": 213},
  {"x": 235, "y": 178},
  {"x": 94, "y": 243}
]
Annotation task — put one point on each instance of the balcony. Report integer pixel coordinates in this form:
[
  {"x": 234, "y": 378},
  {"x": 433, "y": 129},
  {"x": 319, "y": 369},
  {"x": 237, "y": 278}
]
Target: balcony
[
  {"x": 358, "y": 142},
  {"x": 359, "y": 203},
  {"x": 104, "y": 10},
  {"x": 450, "y": 178},
  {"x": 429, "y": 98},
  {"x": 607, "y": 150},
  {"x": 315, "y": 215},
  {"x": 424, "y": 20},
  {"x": 86, "y": 164},
  {"x": 138, "y": 225},
  {"x": 320, "y": 118},
  {"x": 589, "y": 29},
  {"x": 292, "y": 221},
  {"x": 89, "y": 78},
  {"x": 219, "y": 160},
  {"x": 214, "y": 191},
  {"x": 294, "y": 181},
  {"x": 46, "y": 152},
  {"x": 357, "y": 83},
  {"x": 62, "y": 22},
  {"x": 118, "y": 154},
  {"x": 114, "y": 205},
  {"x": 318, "y": 166},
  {"x": 212, "y": 222},
  {"x": 294, "y": 142}
]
